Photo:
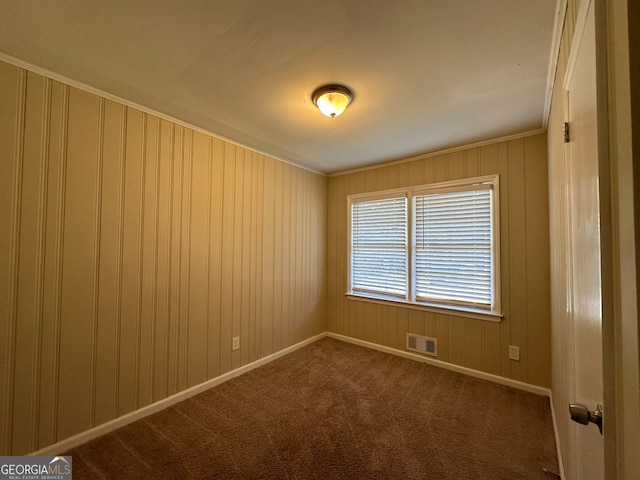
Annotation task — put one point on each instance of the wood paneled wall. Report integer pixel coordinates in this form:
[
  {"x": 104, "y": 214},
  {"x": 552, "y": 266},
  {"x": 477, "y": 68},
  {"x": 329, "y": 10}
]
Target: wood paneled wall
[
  {"x": 481, "y": 345},
  {"x": 132, "y": 250}
]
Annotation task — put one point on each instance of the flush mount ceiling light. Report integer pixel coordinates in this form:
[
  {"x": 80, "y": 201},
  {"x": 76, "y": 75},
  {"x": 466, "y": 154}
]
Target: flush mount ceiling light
[{"x": 332, "y": 100}]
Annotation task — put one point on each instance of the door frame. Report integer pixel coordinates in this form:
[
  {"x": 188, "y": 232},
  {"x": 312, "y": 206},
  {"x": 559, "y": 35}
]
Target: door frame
[
  {"x": 578, "y": 317},
  {"x": 619, "y": 241}
]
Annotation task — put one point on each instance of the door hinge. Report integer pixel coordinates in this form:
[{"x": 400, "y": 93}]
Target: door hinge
[{"x": 565, "y": 128}]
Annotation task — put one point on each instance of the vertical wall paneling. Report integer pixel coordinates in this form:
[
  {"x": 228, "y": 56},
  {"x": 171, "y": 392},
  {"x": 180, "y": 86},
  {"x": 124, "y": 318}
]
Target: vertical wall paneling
[
  {"x": 119, "y": 260},
  {"x": 296, "y": 284},
  {"x": 79, "y": 262},
  {"x": 49, "y": 337},
  {"x": 141, "y": 249},
  {"x": 268, "y": 269},
  {"x": 255, "y": 233},
  {"x": 485, "y": 162},
  {"x": 161, "y": 307},
  {"x": 298, "y": 257},
  {"x": 157, "y": 318},
  {"x": 12, "y": 169},
  {"x": 109, "y": 266},
  {"x": 441, "y": 332},
  {"x": 538, "y": 355},
  {"x": 253, "y": 285},
  {"x": 301, "y": 259},
  {"x": 209, "y": 201},
  {"x": 12, "y": 99},
  {"x": 473, "y": 343},
  {"x": 403, "y": 327},
  {"x": 199, "y": 253},
  {"x": 341, "y": 258},
  {"x": 185, "y": 255},
  {"x": 97, "y": 242},
  {"x": 455, "y": 339},
  {"x": 226, "y": 318},
  {"x": 332, "y": 284},
  {"x": 517, "y": 259},
  {"x": 392, "y": 321},
  {"x": 505, "y": 279},
  {"x": 243, "y": 190},
  {"x": 260, "y": 252},
  {"x": 134, "y": 249},
  {"x": 215, "y": 257},
  {"x": 28, "y": 313},
  {"x": 298, "y": 264},
  {"x": 14, "y": 83},
  {"x": 277, "y": 258},
  {"x": 148, "y": 261},
  {"x": 288, "y": 267},
  {"x": 237, "y": 198},
  {"x": 131, "y": 274},
  {"x": 42, "y": 210},
  {"x": 176, "y": 259},
  {"x": 524, "y": 259}
]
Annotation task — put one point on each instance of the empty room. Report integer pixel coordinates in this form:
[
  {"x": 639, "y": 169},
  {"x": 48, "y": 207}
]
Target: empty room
[{"x": 319, "y": 239}]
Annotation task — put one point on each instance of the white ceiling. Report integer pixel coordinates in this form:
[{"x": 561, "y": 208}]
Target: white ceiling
[{"x": 426, "y": 74}]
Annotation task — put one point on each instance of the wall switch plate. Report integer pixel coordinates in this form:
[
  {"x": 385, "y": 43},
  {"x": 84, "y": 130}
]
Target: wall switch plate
[
  {"x": 236, "y": 343},
  {"x": 514, "y": 353}
]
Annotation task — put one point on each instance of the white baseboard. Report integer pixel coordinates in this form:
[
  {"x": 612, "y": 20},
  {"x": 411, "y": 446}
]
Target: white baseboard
[
  {"x": 95, "y": 432},
  {"x": 448, "y": 366}
]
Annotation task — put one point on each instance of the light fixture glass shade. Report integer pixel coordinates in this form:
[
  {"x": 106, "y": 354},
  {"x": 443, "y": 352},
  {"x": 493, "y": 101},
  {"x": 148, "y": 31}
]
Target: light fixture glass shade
[{"x": 332, "y": 100}]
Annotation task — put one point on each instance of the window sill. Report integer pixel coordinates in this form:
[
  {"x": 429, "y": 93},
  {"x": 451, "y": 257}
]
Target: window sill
[{"x": 446, "y": 310}]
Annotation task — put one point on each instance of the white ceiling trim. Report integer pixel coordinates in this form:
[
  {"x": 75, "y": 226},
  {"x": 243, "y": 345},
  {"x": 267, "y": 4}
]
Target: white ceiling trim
[
  {"x": 447, "y": 151},
  {"x": 578, "y": 33},
  {"x": 89, "y": 89},
  {"x": 558, "y": 28},
  {"x": 108, "y": 96}
]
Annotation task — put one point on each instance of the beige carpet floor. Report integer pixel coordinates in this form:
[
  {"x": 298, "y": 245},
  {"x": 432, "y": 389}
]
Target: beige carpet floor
[{"x": 335, "y": 410}]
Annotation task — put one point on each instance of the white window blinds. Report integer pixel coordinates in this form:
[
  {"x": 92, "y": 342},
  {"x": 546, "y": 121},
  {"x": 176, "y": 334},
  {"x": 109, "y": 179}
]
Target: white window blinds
[
  {"x": 453, "y": 247},
  {"x": 435, "y": 246},
  {"x": 379, "y": 246}
]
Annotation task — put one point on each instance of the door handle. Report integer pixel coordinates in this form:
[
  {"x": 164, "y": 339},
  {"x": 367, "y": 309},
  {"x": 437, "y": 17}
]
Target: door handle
[{"x": 582, "y": 415}]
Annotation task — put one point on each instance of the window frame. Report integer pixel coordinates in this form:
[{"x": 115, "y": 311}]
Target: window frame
[
  {"x": 494, "y": 312},
  {"x": 407, "y": 246}
]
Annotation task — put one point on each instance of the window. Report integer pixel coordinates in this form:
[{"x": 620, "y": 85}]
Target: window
[
  {"x": 433, "y": 246},
  {"x": 379, "y": 246}
]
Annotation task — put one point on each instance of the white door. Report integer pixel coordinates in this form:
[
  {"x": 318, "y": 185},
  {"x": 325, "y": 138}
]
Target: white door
[{"x": 586, "y": 457}]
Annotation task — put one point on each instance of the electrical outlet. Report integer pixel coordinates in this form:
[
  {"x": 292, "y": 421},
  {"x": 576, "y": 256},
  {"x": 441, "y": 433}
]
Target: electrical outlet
[
  {"x": 236, "y": 343},
  {"x": 514, "y": 353}
]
